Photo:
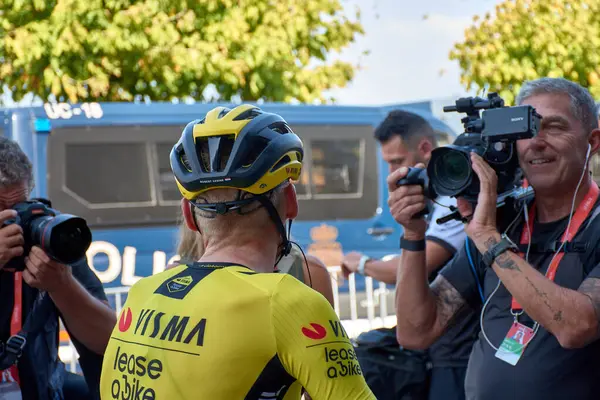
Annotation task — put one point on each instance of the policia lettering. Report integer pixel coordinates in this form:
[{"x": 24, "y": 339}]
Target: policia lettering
[
  {"x": 131, "y": 366},
  {"x": 342, "y": 362}
]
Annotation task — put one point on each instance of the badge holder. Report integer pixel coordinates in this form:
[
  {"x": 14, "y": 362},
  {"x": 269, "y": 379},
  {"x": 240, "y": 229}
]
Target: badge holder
[{"x": 518, "y": 337}]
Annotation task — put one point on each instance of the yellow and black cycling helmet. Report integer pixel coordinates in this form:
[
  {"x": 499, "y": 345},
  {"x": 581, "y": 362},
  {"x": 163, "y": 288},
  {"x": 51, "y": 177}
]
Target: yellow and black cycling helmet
[{"x": 244, "y": 148}]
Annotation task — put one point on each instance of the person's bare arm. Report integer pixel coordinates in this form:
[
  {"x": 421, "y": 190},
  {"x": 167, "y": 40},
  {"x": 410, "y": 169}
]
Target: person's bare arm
[
  {"x": 423, "y": 312},
  {"x": 321, "y": 280},
  {"x": 570, "y": 315},
  {"x": 386, "y": 271},
  {"x": 591, "y": 288}
]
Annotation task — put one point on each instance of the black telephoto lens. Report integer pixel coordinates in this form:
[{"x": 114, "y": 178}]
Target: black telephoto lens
[{"x": 65, "y": 237}]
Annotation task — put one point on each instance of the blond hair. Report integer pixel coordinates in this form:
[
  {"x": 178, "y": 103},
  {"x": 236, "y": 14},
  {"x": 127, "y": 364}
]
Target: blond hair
[{"x": 189, "y": 244}]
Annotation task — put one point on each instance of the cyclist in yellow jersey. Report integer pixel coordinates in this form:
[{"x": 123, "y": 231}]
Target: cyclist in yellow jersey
[{"x": 228, "y": 326}]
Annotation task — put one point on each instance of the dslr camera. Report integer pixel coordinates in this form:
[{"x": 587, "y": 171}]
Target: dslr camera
[
  {"x": 65, "y": 238},
  {"x": 493, "y": 136}
]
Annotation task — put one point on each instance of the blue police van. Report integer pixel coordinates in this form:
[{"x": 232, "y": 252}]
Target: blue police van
[{"x": 109, "y": 163}]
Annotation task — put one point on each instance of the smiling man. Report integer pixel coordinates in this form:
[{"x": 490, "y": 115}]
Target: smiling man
[{"x": 552, "y": 294}]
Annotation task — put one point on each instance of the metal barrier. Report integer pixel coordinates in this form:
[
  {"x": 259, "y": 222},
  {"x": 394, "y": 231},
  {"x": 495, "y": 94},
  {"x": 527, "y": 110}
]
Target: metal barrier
[{"x": 356, "y": 310}]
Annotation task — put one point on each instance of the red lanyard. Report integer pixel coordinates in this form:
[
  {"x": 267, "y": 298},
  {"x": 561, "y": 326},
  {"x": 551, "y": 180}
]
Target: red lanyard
[
  {"x": 16, "y": 323},
  {"x": 17, "y": 314},
  {"x": 583, "y": 211}
]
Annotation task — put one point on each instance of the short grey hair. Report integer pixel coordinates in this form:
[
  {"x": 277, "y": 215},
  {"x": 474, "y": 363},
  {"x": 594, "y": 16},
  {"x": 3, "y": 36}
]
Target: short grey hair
[
  {"x": 583, "y": 105},
  {"x": 15, "y": 167}
]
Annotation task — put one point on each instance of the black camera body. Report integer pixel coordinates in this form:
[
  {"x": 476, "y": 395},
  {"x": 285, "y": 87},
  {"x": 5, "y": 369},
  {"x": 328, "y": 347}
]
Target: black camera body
[
  {"x": 493, "y": 136},
  {"x": 65, "y": 238}
]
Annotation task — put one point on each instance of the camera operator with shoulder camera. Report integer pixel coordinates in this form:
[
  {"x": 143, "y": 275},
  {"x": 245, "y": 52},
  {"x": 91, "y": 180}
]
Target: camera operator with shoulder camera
[
  {"x": 36, "y": 288},
  {"x": 536, "y": 274}
]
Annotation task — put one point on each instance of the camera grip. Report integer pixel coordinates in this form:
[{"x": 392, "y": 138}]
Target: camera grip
[{"x": 416, "y": 176}]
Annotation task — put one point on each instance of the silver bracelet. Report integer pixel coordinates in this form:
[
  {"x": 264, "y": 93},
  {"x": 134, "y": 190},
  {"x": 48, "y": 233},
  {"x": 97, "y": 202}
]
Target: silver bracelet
[{"x": 361, "y": 264}]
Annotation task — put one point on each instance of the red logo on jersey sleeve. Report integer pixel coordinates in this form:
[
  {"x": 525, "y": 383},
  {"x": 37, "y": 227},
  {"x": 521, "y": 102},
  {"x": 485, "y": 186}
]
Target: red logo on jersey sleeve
[
  {"x": 125, "y": 320},
  {"x": 317, "y": 332}
]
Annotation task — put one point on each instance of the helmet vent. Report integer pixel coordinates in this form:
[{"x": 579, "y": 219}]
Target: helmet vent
[
  {"x": 203, "y": 153},
  {"x": 284, "y": 160},
  {"x": 183, "y": 158},
  {"x": 223, "y": 113},
  {"x": 213, "y": 152},
  {"x": 280, "y": 127},
  {"x": 248, "y": 114},
  {"x": 256, "y": 146}
]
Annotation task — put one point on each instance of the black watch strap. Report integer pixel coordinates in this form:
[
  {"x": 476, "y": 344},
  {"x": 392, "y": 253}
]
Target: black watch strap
[
  {"x": 412, "y": 245},
  {"x": 503, "y": 245}
]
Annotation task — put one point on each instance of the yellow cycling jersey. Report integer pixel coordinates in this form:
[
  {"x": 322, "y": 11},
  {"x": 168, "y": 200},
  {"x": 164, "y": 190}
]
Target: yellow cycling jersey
[{"x": 222, "y": 331}]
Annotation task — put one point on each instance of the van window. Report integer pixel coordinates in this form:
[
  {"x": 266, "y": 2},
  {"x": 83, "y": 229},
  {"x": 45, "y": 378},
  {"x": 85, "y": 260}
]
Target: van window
[
  {"x": 336, "y": 166},
  {"x": 121, "y": 175},
  {"x": 340, "y": 178},
  {"x": 90, "y": 171},
  {"x": 167, "y": 188}
]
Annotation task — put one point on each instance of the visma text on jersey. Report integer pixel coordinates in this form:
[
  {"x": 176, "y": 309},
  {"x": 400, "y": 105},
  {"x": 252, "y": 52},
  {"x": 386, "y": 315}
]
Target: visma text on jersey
[{"x": 158, "y": 325}]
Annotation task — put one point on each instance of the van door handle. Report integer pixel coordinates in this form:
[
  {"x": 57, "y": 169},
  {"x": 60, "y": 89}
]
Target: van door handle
[{"x": 380, "y": 231}]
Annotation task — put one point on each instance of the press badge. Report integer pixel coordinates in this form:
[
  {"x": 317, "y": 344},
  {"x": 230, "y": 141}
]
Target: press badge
[{"x": 514, "y": 343}]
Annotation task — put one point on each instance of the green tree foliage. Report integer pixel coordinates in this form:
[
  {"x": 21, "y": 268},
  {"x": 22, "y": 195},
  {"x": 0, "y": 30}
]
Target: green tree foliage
[
  {"x": 113, "y": 50},
  {"x": 528, "y": 39}
]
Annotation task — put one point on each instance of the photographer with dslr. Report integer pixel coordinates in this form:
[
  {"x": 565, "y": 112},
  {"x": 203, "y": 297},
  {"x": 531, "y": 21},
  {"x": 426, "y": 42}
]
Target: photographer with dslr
[
  {"x": 537, "y": 274},
  {"x": 407, "y": 138},
  {"x": 36, "y": 289}
]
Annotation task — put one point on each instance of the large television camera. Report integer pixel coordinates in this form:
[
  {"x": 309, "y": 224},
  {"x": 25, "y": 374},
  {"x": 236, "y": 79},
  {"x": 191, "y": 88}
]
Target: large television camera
[
  {"x": 64, "y": 237},
  {"x": 493, "y": 136}
]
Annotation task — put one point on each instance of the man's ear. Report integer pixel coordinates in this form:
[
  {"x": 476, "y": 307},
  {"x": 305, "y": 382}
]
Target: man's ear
[
  {"x": 594, "y": 141},
  {"x": 188, "y": 214},
  {"x": 291, "y": 202},
  {"x": 424, "y": 148}
]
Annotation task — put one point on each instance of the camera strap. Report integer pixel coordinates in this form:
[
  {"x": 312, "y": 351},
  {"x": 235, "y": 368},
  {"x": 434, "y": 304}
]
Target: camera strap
[
  {"x": 583, "y": 211},
  {"x": 11, "y": 351}
]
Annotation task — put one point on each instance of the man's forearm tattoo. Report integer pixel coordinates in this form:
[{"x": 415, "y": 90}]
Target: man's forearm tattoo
[
  {"x": 540, "y": 293},
  {"x": 448, "y": 300},
  {"x": 503, "y": 260}
]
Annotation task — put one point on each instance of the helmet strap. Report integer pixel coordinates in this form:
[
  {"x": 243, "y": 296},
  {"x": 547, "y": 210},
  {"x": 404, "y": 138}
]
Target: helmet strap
[{"x": 286, "y": 246}]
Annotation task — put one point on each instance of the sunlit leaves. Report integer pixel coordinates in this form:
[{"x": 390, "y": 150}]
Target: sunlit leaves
[
  {"x": 164, "y": 49},
  {"x": 528, "y": 39}
]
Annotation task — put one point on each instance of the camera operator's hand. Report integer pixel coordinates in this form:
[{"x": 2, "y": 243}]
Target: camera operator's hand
[
  {"x": 11, "y": 238},
  {"x": 404, "y": 202},
  {"x": 44, "y": 273},
  {"x": 482, "y": 220}
]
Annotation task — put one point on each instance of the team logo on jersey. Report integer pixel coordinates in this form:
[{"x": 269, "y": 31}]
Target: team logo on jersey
[
  {"x": 179, "y": 284},
  {"x": 125, "y": 320},
  {"x": 317, "y": 332},
  {"x": 172, "y": 328}
]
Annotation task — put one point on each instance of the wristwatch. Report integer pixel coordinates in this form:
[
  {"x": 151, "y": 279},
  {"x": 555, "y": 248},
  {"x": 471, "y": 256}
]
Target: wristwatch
[
  {"x": 412, "y": 245},
  {"x": 361, "y": 264},
  {"x": 503, "y": 245}
]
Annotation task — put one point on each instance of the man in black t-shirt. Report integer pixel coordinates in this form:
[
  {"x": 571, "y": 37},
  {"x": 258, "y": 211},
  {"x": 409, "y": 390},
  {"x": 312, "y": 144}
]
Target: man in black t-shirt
[
  {"x": 542, "y": 290},
  {"x": 75, "y": 294}
]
